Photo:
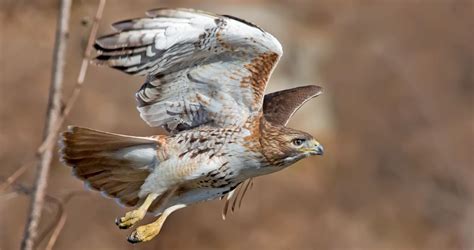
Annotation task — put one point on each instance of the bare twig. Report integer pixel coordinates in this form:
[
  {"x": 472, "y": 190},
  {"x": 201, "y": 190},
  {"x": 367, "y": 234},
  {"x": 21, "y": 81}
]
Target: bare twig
[
  {"x": 54, "y": 224},
  {"x": 61, "y": 219},
  {"x": 57, "y": 230},
  {"x": 48, "y": 142},
  {"x": 90, "y": 42},
  {"x": 19, "y": 188},
  {"x": 55, "y": 118},
  {"x": 50, "y": 138},
  {"x": 53, "y": 113},
  {"x": 8, "y": 196},
  {"x": 80, "y": 79},
  {"x": 57, "y": 225},
  {"x": 16, "y": 175}
]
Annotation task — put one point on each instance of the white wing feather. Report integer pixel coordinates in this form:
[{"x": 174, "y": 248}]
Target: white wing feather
[{"x": 201, "y": 68}]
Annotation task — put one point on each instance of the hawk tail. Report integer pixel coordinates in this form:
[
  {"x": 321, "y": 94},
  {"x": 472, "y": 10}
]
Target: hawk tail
[{"x": 117, "y": 165}]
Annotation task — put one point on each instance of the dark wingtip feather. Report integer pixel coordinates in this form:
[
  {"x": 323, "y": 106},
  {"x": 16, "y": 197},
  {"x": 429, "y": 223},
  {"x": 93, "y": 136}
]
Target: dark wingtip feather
[
  {"x": 317, "y": 90},
  {"x": 152, "y": 12},
  {"x": 98, "y": 47},
  {"x": 121, "y": 25},
  {"x": 243, "y": 21},
  {"x": 102, "y": 58},
  {"x": 128, "y": 24},
  {"x": 101, "y": 41},
  {"x": 125, "y": 69}
]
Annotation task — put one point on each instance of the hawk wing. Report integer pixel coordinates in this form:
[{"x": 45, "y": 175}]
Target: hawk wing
[
  {"x": 279, "y": 107},
  {"x": 201, "y": 68}
]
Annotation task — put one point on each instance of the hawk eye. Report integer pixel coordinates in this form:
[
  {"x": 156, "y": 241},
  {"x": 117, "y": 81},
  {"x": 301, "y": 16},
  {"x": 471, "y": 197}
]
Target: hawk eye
[{"x": 298, "y": 141}]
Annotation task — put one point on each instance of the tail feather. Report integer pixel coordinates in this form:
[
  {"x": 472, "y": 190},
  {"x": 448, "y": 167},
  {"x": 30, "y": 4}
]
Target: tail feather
[{"x": 116, "y": 165}]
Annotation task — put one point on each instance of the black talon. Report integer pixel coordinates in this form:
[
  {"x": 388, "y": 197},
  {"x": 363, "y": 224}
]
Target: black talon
[
  {"x": 118, "y": 221},
  {"x": 133, "y": 239}
]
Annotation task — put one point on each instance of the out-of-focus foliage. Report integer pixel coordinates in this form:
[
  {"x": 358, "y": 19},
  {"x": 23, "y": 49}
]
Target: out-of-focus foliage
[{"x": 396, "y": 120}]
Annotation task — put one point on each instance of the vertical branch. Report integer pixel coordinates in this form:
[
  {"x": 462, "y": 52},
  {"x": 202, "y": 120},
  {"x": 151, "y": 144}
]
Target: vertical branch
[
  {"x": 53, "y": 113},
  {"x": 80, "y": 79}
]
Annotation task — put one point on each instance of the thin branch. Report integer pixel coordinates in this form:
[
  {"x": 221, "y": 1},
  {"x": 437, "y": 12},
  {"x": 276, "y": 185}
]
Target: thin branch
[
  {"x": 8, "y": 196},
  {"x": 10, "y": 180},
  {"x": 19, "y": 188},
  {"x": 54, "y": 224},
  {"x": 61, "y": 219},
  {"x": 67, "y": 109},
  {"x": 90, "y": 42},
  {"x": 55, "y": 118},
  {"x": 53, "y": 113},
  {"x": 57, "y": 230},
  {"x": 80, "y": 79},
  {"x": 50, "y": 139}
]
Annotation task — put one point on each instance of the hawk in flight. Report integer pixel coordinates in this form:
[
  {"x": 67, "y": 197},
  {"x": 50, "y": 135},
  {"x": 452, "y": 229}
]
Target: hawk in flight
[{"x": 205, "y": 81}]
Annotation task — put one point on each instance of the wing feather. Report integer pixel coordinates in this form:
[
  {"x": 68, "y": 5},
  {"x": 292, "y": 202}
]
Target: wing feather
[
  {"x": 201, "y": 68},
  {"x": 279, "y": 107}
]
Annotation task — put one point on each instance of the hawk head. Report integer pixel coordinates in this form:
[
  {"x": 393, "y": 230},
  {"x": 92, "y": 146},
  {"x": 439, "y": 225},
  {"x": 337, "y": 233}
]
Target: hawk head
[{"x": 283, "y": 146}]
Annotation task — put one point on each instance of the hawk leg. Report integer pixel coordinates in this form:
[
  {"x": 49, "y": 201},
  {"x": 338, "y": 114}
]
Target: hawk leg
[
  {"x": 149, "y": 231},
  {"x": 136, "y": 215}
]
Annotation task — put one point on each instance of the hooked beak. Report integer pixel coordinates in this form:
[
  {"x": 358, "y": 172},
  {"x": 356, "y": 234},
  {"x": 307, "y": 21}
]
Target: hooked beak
[{"x": 317, "y": 149}]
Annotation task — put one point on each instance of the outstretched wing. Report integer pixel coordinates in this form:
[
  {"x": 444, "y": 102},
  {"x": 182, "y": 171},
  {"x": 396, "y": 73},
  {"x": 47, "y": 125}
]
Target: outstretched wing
[
  {"x": 279, "y": 107},
  {"x": 201, "y": 68}
]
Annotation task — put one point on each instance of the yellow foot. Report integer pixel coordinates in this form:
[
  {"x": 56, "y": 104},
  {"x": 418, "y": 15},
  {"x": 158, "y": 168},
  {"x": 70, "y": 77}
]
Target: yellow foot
[
  {"x": 136, "y": 215},
  {"x": 149, "y": 231},
  {"x": 130, "y": 219},
  {"x": 145, "y": 232}
]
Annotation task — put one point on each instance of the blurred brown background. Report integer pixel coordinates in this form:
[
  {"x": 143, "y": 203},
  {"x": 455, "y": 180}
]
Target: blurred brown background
[{"x": 396, "y": 120}]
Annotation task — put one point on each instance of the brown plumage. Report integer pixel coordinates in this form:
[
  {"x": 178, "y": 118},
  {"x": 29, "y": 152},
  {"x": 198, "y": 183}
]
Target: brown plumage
[
  {"x": 278, "y": 107},
  {"x": 205, "y": 81},
  {"x": 93, "y": 156}
]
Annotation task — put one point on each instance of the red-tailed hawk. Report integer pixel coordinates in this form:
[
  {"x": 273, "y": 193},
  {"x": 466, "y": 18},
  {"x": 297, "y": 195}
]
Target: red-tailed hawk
[{"x": 205, "y": 81}]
